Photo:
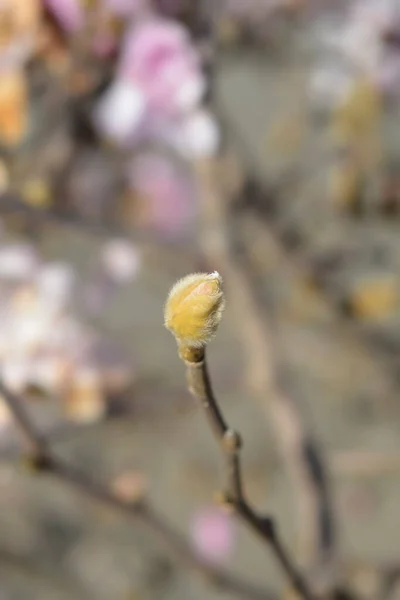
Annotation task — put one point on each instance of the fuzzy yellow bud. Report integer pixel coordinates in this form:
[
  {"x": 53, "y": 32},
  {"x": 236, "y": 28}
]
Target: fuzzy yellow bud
[{"x": 194, "y": 308}]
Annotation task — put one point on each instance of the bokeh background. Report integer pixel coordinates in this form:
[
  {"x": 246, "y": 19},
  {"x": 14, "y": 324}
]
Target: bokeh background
[{"x": 141, "y": 141}]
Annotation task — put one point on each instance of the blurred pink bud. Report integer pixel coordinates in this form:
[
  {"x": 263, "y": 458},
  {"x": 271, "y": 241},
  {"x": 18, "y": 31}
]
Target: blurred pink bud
[
  {"x": 213, "y": 534},
  {"x": 167, "y": 193},
  {"x": 69, "y": 13},
  {"x": 159, "y": 57},
  {"x": 121, "y": 260}
]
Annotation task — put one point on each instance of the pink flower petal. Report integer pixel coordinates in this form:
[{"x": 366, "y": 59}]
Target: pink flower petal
[
  {"x": 159, "y": 57},
  {"x": 213, "y": 534}
]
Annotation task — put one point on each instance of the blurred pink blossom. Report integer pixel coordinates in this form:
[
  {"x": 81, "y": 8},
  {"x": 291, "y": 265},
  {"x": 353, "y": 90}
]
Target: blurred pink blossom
[
  {"x": 69, "y": 13},
  {"x": 158, "y": 91},
  {"x": 213, "y": 534},
  {"x": 159, "y": 58},
  {"x": 42, "y": 343},
  {"x": 168, "y": 194}
]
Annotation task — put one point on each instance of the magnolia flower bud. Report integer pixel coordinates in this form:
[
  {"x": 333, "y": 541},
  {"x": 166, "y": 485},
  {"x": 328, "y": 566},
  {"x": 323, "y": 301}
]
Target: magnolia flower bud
[{"x": 194, "y": 308}]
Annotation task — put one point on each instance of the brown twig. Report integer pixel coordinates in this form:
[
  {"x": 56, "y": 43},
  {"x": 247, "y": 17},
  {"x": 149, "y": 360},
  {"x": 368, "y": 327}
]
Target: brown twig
[
  {"x": 299, "y": 450},
  {"x": 230, "y": 444},
  {"x": 42, "y": 458}
]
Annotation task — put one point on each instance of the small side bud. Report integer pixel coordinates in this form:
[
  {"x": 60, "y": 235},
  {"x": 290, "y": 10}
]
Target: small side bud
[
  {"x": 232, "y": 441},
  {"x": 194, "y": 309}
]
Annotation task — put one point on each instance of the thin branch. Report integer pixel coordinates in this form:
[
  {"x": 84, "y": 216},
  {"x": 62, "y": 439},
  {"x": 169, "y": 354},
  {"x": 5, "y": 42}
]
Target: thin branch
[
  {"x": 230, "y": 444},
  {"x": 41, "y": 456},
  {"x": 300, "y": 452}
]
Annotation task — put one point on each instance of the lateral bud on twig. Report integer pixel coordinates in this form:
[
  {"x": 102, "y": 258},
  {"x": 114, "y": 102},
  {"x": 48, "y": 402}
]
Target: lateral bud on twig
[
  {"x": 224, "y": 499},
  {"x": 193, "y": 312},
  {"x": 232, "y": 441}
]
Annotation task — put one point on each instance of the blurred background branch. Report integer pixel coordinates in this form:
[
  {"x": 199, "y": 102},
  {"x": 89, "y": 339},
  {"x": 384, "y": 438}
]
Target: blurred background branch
[{"x": 40, "y": 459}]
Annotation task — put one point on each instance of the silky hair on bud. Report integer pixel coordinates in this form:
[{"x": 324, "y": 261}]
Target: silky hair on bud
[{"x": 194, "y": 307}]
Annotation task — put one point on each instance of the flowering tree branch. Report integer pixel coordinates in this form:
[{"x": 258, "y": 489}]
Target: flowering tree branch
[
  {"x": 41, "y": 458},
  {"x": 192, "y": 313}
]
